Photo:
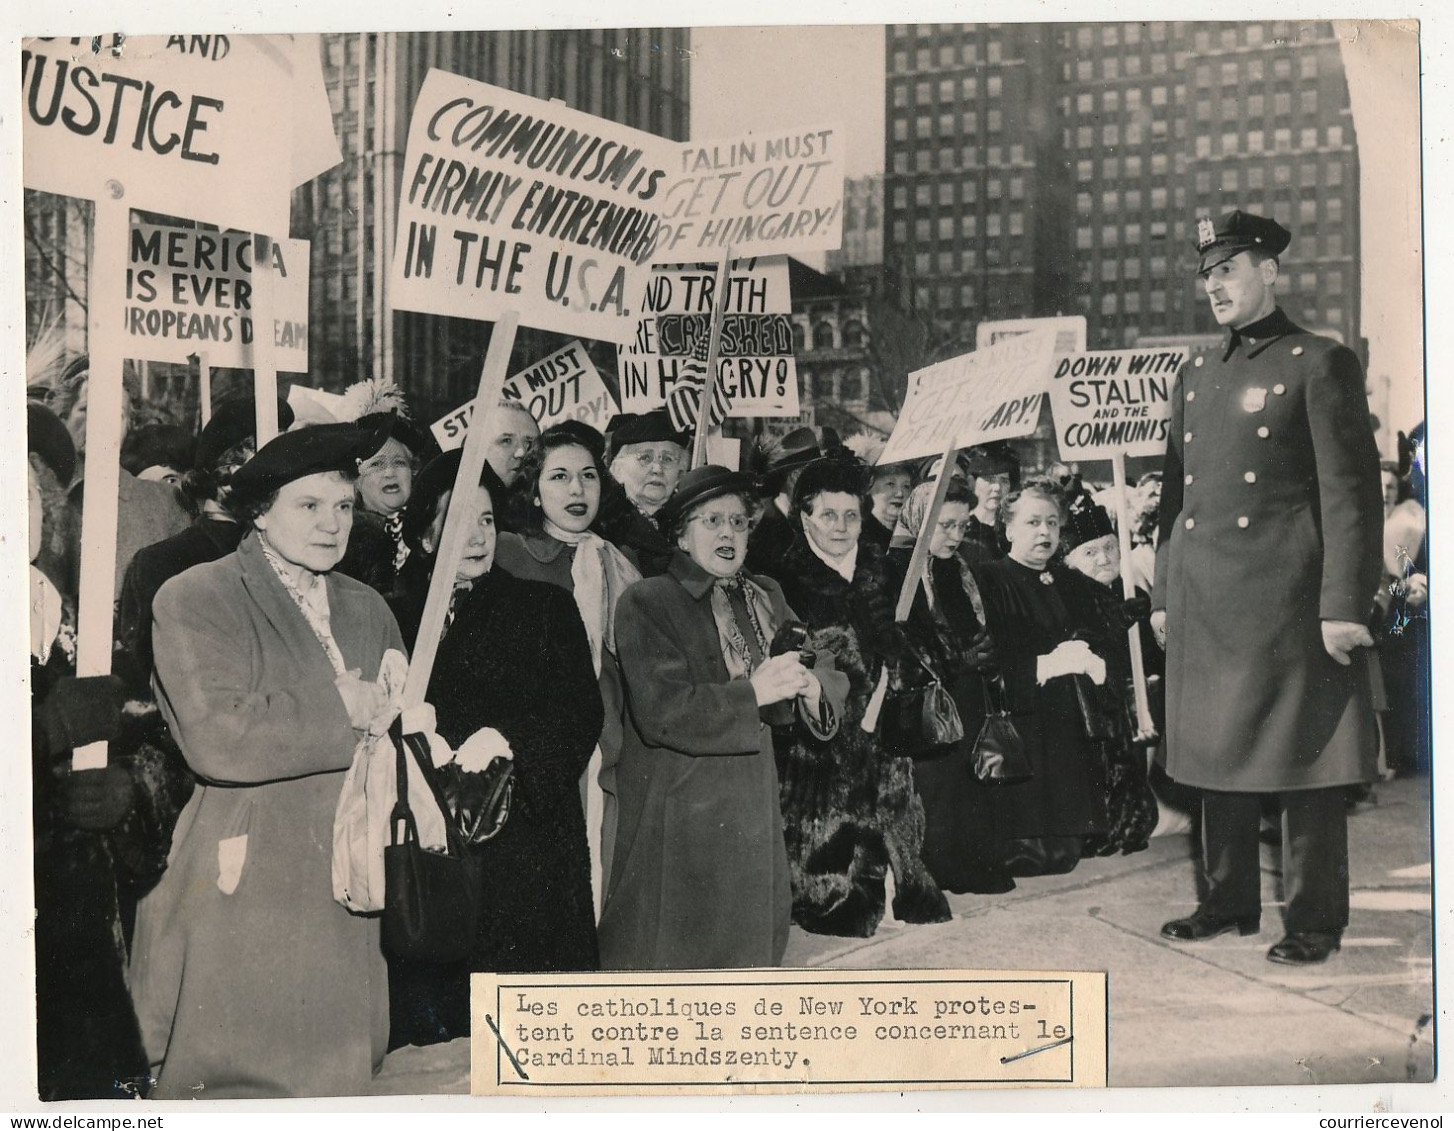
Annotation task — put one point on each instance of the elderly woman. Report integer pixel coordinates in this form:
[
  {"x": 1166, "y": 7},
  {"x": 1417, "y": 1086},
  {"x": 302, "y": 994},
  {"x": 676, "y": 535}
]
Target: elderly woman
[
  {"x": 1049, "y": 634},
  {"x": 249, "y": 980},
  {"x": 887, "y": 495},
  {"x": 513, "y": 652},
  {"x": 647, "y": 457},
  {"x": 700, "y": 878},
  {"x": 376, "y": 548},
  {"x": 561, "y": 487},
  {"x": 1091, "y": 547},
  {"x": 850, "y": 812},
  {"x": 947, "y": 637}
]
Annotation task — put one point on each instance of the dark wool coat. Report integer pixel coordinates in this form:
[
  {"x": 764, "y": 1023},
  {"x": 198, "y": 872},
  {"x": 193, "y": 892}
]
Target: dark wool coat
[
  {"x": 371, "y": 553},
  {"x": 769, "y": 540},
  {"x": 1271, "y": 521},
  {"x": 849, "y": 807},
  {"x": 632, "y": 532},
  {"x": 1029, "y": 619},
  {"x": 700, "y": 876},
  {"x": 87, "y": 882},
  {"x": 263, "y": 986},
  {"x": 961, "y": 816},
  {"x": 514, "y": 654}
]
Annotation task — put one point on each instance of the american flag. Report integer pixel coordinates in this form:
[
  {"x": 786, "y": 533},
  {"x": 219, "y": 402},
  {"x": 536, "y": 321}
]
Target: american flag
[{"x": 685, "y": 399}]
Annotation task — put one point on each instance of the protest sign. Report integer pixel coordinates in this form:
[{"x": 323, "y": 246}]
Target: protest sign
[
  {"x": 562, "y": 386},
  {"x": 990, "y": 394},
  {"x": 774, "y": 193},
  {"x": 1070, "y": 331},
  {"x": 511, "y": 202},
  {"x": 756, "y": 369},
  {"x": 215, "y": 128},
  {"x": 1109, "y": 403},
  {"x": 189, "y": 290}
]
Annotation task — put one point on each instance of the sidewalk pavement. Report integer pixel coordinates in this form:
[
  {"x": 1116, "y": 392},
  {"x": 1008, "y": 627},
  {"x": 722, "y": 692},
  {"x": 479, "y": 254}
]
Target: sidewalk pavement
[
  {"x": 1217, "y": 1012},
  {"x": 1203, "y": 1014}
]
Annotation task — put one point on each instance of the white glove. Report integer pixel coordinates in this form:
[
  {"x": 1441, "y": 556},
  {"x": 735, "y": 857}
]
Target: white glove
[
  {"x": 420, "y": 720},
  {"x": 482, "y": 748},
  {"x": 1072, "y": 657}
]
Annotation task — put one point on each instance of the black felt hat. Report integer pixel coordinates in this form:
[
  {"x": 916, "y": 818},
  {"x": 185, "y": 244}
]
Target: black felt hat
[
  {"x": 231, "y": 423},
  {"x": 842, "y": 472},
  {"x": 395, "y": 427},
  {"x": 434, "y": 480},
  {"x": 1085, "y": 519},
  {"x": 306, "y": 451},
  {"x": 47, "y": 437},
  {"x": 1217, "y": 241},
  {"x": 654, "y": 427},
  {"x": 700, "y": 485},
  {"x": 994, "y": 458}
]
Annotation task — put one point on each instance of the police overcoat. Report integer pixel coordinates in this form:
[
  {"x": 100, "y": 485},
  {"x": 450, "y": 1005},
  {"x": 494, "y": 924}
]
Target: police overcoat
[{"x": 1270, "y": 521}]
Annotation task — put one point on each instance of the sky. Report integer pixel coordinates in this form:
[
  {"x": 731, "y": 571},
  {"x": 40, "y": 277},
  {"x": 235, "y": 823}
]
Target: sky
[{"x": 846, "y": 65}]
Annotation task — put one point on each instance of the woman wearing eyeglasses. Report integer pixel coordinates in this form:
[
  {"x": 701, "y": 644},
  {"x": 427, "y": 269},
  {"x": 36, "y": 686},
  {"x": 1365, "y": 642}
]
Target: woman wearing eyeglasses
[
  {"x": 700, "y": 875},
  {"x": 376, "y": 550},
  {"x": 648, "y": 455},
  {"x": 946, "y": 629}
]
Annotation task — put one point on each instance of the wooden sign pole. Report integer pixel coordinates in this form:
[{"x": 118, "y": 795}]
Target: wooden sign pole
[
  {"x": 714, "y": 341},
  {"x": 264, "y": 363},
  {"x": 111, "y": 231},
  {"x": 1144, "y": 723},
  {"x": 204, "y": 385},
  {"x": 920, "y": 556},
  {"x": 456, "y": 534}
]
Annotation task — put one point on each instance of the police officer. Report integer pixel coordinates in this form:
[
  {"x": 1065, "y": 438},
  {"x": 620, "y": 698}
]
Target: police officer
[{"x": 1266, "y": 573}]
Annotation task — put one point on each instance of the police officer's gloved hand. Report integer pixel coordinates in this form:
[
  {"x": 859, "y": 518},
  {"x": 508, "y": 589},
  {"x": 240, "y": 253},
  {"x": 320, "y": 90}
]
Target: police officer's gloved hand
[{"x": 82, "y": 710}]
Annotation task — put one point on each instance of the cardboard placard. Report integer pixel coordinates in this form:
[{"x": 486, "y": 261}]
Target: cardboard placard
[
  {"x": 562, "y": 386},
  {"x": 990, "y": 394},
  {"x": 511, "y": 202},
  {"x": 776, "y": 193},
  {"x": 189, "y": 290},
  {"x": 756, "y": 367},
  {"x": 215, "y": 128},
  {"x": 1113, "y": 402},
  {"x": 1070, "y": 331}
]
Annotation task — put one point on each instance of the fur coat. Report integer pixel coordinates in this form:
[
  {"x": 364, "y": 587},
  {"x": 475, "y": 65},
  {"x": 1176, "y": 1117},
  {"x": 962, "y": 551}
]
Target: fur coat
[{"x": 850, "y": 812}]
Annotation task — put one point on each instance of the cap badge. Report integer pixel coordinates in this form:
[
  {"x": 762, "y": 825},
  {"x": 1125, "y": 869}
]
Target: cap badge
[{"x": 1206, "y": 231}]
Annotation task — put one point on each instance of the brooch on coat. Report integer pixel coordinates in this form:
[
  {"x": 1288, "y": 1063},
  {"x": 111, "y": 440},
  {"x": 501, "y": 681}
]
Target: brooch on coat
[
  {"x": 1046, "y": 577},
  {"x": 1254, "y": 400}
]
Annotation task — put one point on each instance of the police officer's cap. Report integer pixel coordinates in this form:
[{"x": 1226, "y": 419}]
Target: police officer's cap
[{"x": 1238, "y": 231}]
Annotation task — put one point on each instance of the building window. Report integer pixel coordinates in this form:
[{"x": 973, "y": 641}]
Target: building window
[
  {"x": 922, "y": 127},
  {"x": 946, "y": 125},
  {"x": 1229, "y": 180},
  {"x": 921, "y": 263},
  {"x": 1333, "y": 210},
  {"x": 996, "y": 51},
  {"x": 992, "y": 225},
  {"x": 969, "y": 87},
  {"x": 1131, "y": 269},
  {"x": 1133, "y": 302},
  {"x": 1084, "y": 137},
  {"x": 1159, "y": 164},
  {"x": 969, "y": 190},
  {"x": 1335, "y": 137},
  {"x": 1158, "y": 64},
  {"x": 994, "y": 86},
  {"x": 1158, "y": 302},
  {"x": 1108, "y": 303},
  {"x": 1255, "y": 141},
  {"x": 901, "y": 95},
  {"x": 1282, "y": 173},
  {"x": 1085, "y": 70},
  {"x": 1108, "y": 270},
  {"x": 1111, "y": 101},
  {"x": 1084, "y": 37},
  {"x": 922, "y": 160},
  {"x": 1111, "y": 134},
  {"x": 993, "y": 188},
  {"x": 946, "y": 227},
  {"x": 1204, "y": 146},
  {"x": 968, "y": 225},
  {"x": 1308, "y": 138},
  {"x": 946, "y": 262},
  {"x": 901, "y": 129},
  {"x": 921, "y": 230},
  {"x": 1282, "y": 104},
  {"x": 1017, "y": 223},
  {"x": 1333, "y": 175},
  {"x": 1282, "y": 140},
  {"x": 995, "y": 120},
  {"x": 946, "y": 55},
  {"x": 1085, "y": 103},
  {"x": 1256, "y": 177},
  {"x": 1110, "y": 235},
  {"x": 1133, "y": 235},
  {"x": 946, "y": 193},
  {"x": 968, "y": 259},
  {"x": 922, "y": 59},
  {"x": 1308, "y": 66},
  {"x": 901, "y": 231},
  {"x": 922, "y": 195},
  {"x": 1229, "y": 74},
  {"x": 1083, "y": 239},
  {"x": 1111, "y": 67},
  {"x": 993, "y": 156},
  {"x": 1017, "y": 188},
  {"x": 1083, "y": 203}
]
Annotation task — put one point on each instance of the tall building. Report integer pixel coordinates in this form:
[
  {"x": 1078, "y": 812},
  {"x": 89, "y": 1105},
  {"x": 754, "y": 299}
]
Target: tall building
[
  {"x": 636, "y": 76},
  {"x": 1060, "y": 169},
  {"x": 863, "y": 224}
]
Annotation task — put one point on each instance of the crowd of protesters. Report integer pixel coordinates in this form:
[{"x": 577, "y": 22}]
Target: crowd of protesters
[{"x": 694, "y": 672}]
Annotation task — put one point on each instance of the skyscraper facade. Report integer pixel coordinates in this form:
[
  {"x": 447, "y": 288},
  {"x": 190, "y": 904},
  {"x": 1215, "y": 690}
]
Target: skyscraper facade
[{"x": 1061, "y": 168}]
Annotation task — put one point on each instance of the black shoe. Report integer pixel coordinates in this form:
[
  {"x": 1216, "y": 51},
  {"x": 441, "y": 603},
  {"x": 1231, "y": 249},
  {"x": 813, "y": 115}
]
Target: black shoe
[
  {"x": 1305, "y": 948},
  {"x": 1202, "y": 925}
]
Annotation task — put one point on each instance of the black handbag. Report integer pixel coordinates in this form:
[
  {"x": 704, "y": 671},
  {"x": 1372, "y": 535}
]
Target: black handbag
[
  {"x": 1096, "y": 724},
  {"x": 431, "y": 899},
  {"x": 919, "y": 719},
  {"x": 999, "y": 751}
]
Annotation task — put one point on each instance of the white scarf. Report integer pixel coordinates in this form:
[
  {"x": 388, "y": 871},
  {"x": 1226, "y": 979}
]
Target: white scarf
[
  {"x": 599, "y": 575},
  {"x": 843, "y": 566}
]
